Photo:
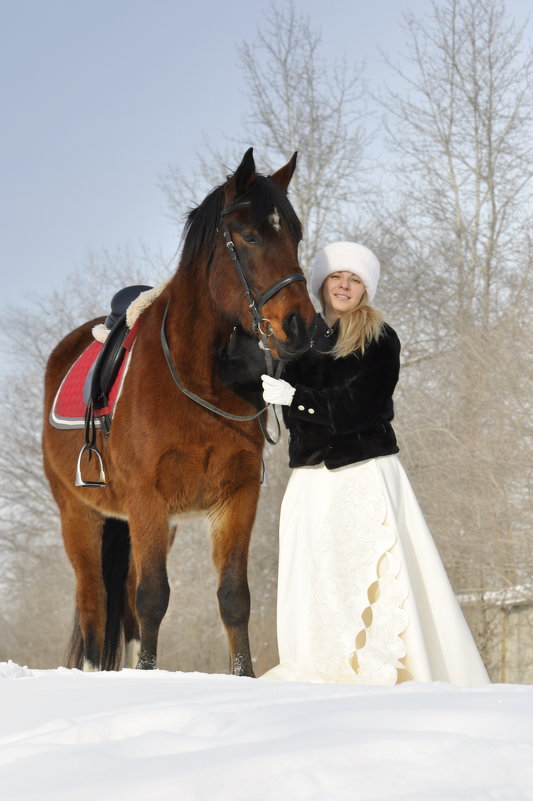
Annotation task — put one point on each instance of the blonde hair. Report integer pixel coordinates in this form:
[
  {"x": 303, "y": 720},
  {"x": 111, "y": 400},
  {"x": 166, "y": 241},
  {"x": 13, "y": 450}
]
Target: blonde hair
[{"x": 357, "y": 328}]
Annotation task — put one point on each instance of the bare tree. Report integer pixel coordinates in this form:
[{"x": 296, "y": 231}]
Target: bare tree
[
  {"x": 296, "y": 100},
  {"x": 460, "y": 123},
  {"x": 463, "y": 130}
]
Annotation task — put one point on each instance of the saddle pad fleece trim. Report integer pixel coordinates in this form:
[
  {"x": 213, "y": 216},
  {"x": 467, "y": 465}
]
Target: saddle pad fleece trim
[{"x": 68, "y": 408}]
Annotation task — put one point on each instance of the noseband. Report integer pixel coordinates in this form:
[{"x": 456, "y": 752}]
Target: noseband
[{"x": 255, "y": 305}]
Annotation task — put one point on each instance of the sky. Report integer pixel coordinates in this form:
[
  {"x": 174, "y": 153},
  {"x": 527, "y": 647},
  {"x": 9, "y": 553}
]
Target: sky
[
  {"x": 140, "y": 735},
  {"x": 98, "y": 99}
]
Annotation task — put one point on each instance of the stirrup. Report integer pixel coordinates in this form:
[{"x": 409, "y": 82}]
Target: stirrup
[{"x": 79, "y": 480}]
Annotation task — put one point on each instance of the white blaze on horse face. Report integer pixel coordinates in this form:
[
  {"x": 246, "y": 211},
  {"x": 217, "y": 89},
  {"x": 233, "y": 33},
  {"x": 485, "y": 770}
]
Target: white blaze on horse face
[{"x": 274, "y": 220}]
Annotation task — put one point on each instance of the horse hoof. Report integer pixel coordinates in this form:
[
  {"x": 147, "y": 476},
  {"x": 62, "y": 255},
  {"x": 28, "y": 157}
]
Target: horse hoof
[{"x": 147, "y": 662}]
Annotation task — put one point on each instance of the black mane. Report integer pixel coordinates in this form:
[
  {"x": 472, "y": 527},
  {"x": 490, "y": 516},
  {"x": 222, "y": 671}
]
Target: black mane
[{"x": 264, "y": 194}]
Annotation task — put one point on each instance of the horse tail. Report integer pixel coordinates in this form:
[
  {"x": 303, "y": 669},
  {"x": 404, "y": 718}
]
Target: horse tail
[{"x": 115, "y": 563}]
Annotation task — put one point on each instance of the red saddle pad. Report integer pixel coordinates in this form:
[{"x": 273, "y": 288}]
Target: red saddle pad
[{"x": 68, "y": 408}]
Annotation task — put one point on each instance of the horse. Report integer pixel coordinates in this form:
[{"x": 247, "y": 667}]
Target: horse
[{"x": 167, "y": 454}]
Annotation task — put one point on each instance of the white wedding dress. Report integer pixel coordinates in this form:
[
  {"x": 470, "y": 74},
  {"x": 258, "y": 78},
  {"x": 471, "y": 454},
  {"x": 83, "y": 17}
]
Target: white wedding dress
[{"x": 363, "y": 596}]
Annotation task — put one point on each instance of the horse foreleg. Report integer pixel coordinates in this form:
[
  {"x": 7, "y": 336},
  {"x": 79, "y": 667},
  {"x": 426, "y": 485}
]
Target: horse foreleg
[
  {"x": 82, "y": 535},
  {"x": 231, "y": 527},
  {"x": 149, "y": 533}
]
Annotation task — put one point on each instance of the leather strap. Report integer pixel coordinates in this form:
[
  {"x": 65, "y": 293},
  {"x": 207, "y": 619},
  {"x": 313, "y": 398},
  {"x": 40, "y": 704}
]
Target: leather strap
[{"x": 196, "y": 398}]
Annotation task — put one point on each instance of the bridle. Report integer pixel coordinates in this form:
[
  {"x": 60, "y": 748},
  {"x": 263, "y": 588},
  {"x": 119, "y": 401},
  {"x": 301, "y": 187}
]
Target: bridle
[
  {"x": 256, "y": 301},
  {"x": 255, "y": 304}
]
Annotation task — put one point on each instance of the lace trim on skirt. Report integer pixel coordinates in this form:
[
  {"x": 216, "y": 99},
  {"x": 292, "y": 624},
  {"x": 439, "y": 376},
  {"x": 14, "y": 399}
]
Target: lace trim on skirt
[{"x": 358, "y": 591}]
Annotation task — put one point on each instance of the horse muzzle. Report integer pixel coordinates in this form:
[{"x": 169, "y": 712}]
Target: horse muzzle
[{"x": 298, "y": 337}]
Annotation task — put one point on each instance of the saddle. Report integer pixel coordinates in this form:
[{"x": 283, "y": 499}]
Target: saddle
[
  {"x": 102, "y": 375},
  {"x": 90, "y": 390}
]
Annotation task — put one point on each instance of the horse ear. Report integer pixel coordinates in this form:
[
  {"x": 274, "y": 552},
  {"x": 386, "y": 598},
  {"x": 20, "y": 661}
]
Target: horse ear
[
  {"x": 244, "y": 174},
  {"x": 283, "y": 176}
]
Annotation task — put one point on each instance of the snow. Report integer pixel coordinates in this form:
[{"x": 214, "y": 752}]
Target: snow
[{"x": 148, "y": 735}]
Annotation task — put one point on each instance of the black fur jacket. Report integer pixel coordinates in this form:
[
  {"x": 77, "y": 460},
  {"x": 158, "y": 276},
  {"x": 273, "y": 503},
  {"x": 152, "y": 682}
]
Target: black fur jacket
[{"x": 342, "y": 409}]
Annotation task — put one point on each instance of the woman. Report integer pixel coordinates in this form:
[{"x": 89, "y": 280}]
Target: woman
[{"x": 363, "y": 596}]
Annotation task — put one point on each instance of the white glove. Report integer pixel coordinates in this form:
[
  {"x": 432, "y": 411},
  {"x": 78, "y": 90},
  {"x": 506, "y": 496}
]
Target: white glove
[{"x": 275, "y": 390}]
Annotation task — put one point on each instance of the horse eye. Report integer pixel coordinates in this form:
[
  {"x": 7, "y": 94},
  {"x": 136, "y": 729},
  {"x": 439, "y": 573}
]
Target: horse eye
[{"x": 249, "y": 238}]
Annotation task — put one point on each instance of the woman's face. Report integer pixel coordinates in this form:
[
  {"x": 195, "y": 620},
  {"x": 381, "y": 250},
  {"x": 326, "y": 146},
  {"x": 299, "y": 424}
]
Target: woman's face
[{"x": 342, "y": 293}]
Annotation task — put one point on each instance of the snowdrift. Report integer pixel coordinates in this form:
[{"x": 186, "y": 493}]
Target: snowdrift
[{"x": 136, "y": 736}]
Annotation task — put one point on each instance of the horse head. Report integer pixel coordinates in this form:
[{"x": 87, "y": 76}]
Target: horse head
[{"x": 254, "y": 276}]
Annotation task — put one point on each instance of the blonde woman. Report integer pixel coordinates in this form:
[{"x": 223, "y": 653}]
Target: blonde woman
[{"x": 363, "y": 596}]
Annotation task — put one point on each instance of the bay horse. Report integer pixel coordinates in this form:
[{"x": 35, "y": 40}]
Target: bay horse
[{"x": 165, "y": 454}]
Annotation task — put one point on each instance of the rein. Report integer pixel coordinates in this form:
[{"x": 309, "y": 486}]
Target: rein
[
  {"x": 196, "y": 398},
  {"x": 254, "y": 305}
]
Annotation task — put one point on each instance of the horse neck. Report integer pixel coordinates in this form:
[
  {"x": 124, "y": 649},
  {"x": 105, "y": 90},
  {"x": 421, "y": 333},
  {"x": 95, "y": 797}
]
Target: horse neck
[{"x": 196, "y": 327}]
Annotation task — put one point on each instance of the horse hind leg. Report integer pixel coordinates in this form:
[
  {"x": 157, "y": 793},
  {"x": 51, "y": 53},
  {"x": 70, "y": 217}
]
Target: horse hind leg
[
  {"x": 231, "y": 527},
  {"x": 82, "y": 536},
  {"x": 98, "y": 549}
]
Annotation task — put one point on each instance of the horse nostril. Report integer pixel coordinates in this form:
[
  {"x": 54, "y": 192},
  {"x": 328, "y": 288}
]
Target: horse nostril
[
  {"x": 296, "y": 330},
  {"x": 291, "y": 326}
]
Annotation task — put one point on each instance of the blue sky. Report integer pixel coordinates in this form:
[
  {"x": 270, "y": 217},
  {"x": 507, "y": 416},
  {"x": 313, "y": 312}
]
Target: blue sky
[{"x": 98, "y": 98}]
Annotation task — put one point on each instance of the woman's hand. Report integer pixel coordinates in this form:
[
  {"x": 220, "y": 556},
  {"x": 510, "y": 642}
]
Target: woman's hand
[{"x": 275, "y": 390}]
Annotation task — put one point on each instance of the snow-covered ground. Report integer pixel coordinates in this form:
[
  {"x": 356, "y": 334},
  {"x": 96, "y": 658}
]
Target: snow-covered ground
[{"x": 68, "y": 735}]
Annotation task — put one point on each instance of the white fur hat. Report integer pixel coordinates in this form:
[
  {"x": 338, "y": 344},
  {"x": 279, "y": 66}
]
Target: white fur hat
[{"x": 341, "y": 256}]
